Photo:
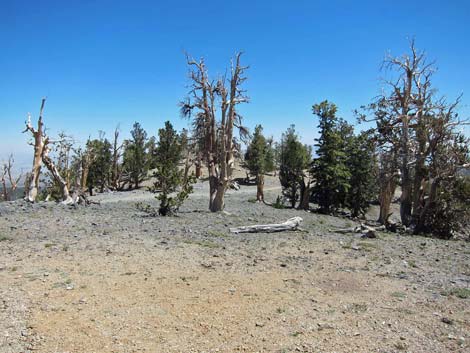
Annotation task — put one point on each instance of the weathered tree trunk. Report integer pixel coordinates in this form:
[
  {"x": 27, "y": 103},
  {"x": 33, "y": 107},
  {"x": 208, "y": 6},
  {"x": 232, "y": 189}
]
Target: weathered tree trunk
[
  {"x": 406, "y": 182},
  {"x": 293, "y": 199},
  {"x": 290, "y": 224},
  {"x": 198, "y": 165},
  {"x": 38, "y": 137},
  {"x": 41, "y": 150},
  {"x": 218, "y": 148},
  {"x": 420, "y": 170},
  {"x": 304, "y": 195},
  {"x": 198, "y": 171},
  {"x": 85, "y": 167},
  {"x": 66, "y": 199},
  {"x": 260, "y": 187},
  {"x": 218, "y": 197},
  {"x": 387, "y": 190},
  {"x": 115, "y": 163},
  {"x": 217, "y": 188},
  {"x": 432, "y": 195}
]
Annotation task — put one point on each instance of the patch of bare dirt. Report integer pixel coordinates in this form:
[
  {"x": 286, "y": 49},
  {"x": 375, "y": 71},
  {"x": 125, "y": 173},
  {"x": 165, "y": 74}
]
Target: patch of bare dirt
[{"x": 107, "y": 279}]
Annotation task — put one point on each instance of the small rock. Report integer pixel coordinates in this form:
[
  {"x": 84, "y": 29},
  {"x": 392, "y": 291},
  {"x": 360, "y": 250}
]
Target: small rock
[
  {"x": 369, "y": 234},
  {"x": 447, "y": 321}
]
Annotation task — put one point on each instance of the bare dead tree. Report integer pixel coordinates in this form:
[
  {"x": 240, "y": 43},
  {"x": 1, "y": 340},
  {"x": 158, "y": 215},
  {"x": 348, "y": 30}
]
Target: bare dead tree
[
  {"x": 9, "y": 182},
  {"x": 41, "y": 155},
  {"x": 116, "y": 171},
  {"x": 213, "y": 105},
  {"x": 407, "y": 102},
  {"x": 38, "y": 137}
]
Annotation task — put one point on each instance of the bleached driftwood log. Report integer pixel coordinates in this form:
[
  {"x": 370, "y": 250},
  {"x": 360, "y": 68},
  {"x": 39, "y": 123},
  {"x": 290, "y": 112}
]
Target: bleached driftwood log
[{"x": 290, "y": 224}]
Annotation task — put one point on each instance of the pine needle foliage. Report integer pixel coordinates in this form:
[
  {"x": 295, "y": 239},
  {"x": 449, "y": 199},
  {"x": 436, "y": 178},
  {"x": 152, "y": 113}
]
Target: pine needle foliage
[{"x": 173, "y": 187}]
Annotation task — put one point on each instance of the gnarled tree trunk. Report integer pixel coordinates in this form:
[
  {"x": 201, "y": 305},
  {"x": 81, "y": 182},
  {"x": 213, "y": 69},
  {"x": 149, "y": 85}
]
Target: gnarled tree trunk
[
  {"x": 305, "y": 192},
  {"x": 41, "y": 156},
  {"x": 57, "y": 177},
  {"x": 38, "y": 136},
  {"x": 217, "y": 138},
  {"x": 387, "y": 190}
]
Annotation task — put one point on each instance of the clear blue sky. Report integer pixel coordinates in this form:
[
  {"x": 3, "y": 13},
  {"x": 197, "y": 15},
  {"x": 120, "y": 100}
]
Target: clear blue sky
[{"x": 101, "y": 63}]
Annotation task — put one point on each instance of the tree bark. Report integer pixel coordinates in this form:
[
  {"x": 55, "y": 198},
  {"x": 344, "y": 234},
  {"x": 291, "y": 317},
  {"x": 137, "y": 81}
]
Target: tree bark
[
  {"x": 387, "y": 190},
  {"x": 304, "y": 195},
  {"x": 260, "y": 187},
  {"x": 217, "y": 188}
]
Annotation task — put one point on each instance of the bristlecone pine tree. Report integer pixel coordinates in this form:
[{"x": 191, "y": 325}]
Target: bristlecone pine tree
[
  {"x": 173, "y": 184},
  {"x": 135, "y": 157},
  {"x": 42, "y": 149},
  {"x": 207, "y": 99},
  {"x": 362, "y": 167},
  {"x": 418, "y": 133},
  {"x": 294, "y": 160},
  {"x": 329, "y": 168},
  {"x": 99, "y": 169},
  {"x": 8, "y": 182},
  {"x": 259, "y": 159}
]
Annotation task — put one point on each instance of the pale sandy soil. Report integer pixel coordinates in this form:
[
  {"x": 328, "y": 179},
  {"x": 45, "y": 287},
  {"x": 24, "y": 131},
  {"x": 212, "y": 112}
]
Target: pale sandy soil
[{"x": 106, "y": 279}]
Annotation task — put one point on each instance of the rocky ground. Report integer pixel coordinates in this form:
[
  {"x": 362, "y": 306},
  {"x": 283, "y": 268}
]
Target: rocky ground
[{"x": 105, "y": 278}]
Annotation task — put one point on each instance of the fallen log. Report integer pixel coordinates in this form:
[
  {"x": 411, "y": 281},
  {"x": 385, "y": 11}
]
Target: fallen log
[
  {"x": 367, "y": 231},
  {"x": 290, "y": 224}
]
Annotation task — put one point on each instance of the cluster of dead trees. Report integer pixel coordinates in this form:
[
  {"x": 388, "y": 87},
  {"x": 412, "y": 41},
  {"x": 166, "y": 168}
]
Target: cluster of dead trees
[{"x": 71, "y": 173}]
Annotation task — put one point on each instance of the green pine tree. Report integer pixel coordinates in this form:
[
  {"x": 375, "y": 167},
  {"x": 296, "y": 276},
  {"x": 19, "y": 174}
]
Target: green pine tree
[
  {"x": 361, "y": 163},
  {"x": 135, "y": 158},
  {"x": 170, "y": 179},
  {"x": 294, "y": 160},
  {"x": 99, "y": 171},
  {"x": 259, "y": 159},
  {"x": 329, "y": 168}
]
